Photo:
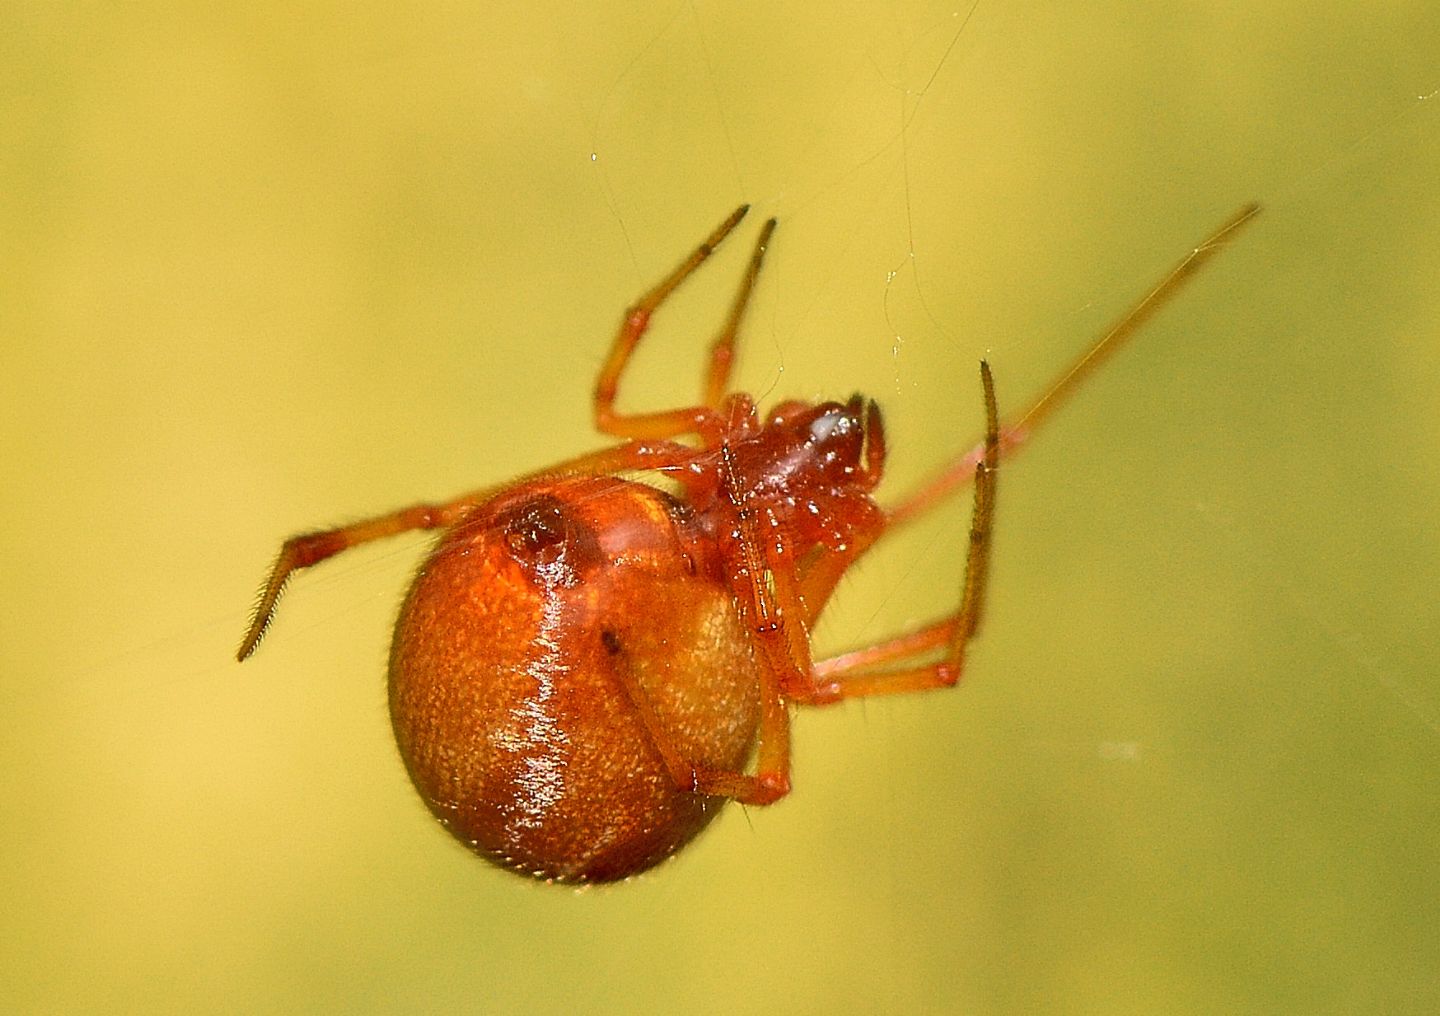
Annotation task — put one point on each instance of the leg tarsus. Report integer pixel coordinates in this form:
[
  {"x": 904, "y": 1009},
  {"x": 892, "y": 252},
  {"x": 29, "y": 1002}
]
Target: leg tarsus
[
  {"x": 311, "y": 548},
  {"x": 722, "y": 350}
]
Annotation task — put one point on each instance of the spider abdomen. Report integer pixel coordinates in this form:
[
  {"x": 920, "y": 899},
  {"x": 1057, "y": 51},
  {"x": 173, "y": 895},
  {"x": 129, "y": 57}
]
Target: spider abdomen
[{"x": 562, "y": 601}]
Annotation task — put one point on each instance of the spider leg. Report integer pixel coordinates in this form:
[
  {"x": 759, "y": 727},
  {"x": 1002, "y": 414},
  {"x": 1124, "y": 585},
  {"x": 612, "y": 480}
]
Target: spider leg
[
  {"x": 771, "y": 780},
  {"x": 722, "y": 350},
  {"x": 864, "y": 672},
  {"x": 870, "y": 670},
  {"x": 1014, "y": 433},
  {"x": 894, "y": 650},
  {"x": 704, "y": 420},
  {"x": 766, "y": 593},
  {"x": 306, "y": 549}
]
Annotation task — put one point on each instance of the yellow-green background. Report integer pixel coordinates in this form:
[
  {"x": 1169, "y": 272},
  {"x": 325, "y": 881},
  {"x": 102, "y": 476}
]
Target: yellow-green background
[{"x": 270, "y": 266}]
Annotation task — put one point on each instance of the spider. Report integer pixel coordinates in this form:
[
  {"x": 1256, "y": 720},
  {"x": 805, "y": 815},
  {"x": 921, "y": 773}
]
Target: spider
[{"x": 587, "y": 667}]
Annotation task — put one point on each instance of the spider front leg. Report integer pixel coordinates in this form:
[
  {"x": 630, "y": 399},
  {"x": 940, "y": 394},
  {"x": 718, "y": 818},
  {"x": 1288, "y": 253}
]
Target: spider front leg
[
  {"x": 1015, "y": 431},
  {"x": 705, "y": 419},
  {"x": 860, "y": 672},
  {"x": 308, "y": 549},
  {"x": 864, "y": 672}
]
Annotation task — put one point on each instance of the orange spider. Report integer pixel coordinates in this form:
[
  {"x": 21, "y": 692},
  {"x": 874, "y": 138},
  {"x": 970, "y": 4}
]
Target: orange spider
[{"x": 585, "y": 665}]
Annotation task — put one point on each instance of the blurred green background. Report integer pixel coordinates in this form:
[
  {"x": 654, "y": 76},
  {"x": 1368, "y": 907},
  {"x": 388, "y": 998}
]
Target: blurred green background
[{"x": 275, "y": 266}]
